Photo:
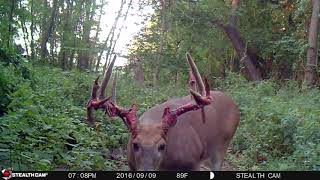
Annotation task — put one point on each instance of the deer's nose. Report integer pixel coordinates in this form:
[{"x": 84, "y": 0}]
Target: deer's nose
[{"x": 148, "y": 164}]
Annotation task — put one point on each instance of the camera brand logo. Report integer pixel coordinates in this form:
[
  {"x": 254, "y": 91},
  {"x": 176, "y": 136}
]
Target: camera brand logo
[{"x": 6, "y": 173}]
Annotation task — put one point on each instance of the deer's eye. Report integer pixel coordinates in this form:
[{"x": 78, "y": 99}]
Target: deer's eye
[
  {"x": 135, "y": 147},
  {"x": 162, "y": 147}
]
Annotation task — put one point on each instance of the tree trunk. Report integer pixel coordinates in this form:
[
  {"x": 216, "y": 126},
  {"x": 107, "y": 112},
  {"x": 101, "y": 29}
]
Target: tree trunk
[
  {"x": 25, "y": 36},
  {"x": 66, "y": 31},
  {"x": 247, "y": 58},
  {"x": 83, "y": 61},
  {"x": 108, "y": 43},
  {"x": 52, "y": 46},
  {"x": 138, "y": 71},
  {"x": 75, "y": 15},
  {"x": 158, "y": 56},
  {"x": 233, "y": 15},
  {"x": 91, "y": 44},
  {"x": 32, "y": 30},
  {"x": 24, "y": 31},
  {"x": 48, "y": 28},
  {"x": 10, "y": 23},
  {"x": 119, "y": 33},
  {"x": 96, "y": 37},
  {"x": 108, "y": 53},
  {"x": 310, "y": 71},
  {"x": 71, "y": 58},
  {"x": 251, "y": 71}
]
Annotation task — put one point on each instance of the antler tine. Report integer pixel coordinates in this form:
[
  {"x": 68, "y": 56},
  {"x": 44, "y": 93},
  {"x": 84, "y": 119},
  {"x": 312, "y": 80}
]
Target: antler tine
[
  {"x": 196, "y": 73},
  {"x": 170, "y": 116},
  {"x": 192, "y": 81},
  {"x": 95, "y": 88},
  {"x": 202, "y": 98},
  {"x": 207, "y": 86},
  {"x": 114, "y": 88},
  {"x": 129, "y": 116},
  {"x": 106, "y": 78},
  {"x": 90, "y": 116}
]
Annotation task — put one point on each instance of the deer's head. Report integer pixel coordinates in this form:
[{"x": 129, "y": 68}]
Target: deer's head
[{"x": 148, "y": 141}]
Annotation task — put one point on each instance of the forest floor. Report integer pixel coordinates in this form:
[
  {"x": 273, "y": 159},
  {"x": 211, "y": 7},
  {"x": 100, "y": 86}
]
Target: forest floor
[
  {"x": 121, "y": 162},
  {"x": 227, "y": 166}
]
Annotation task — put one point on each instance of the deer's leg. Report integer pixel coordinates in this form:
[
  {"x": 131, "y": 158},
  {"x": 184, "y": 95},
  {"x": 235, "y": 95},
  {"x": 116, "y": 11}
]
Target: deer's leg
[
  {"x": 206, "y": 165},
  {"x": 216, "y": 163},
  {"x": 217, "y": 158}
]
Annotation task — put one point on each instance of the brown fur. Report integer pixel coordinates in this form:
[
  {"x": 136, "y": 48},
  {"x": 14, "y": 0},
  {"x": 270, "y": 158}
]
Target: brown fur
[{"x": 190, "y": 142}]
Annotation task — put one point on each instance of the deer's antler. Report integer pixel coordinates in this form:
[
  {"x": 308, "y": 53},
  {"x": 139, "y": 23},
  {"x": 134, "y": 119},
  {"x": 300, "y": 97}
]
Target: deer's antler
[
  {"x": 109, "y": 104},
  {"x": 201, "y": 98}
]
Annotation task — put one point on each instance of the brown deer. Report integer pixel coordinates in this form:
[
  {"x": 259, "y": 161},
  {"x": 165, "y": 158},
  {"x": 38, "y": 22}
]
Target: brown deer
[{"x": 179, "y": 134}]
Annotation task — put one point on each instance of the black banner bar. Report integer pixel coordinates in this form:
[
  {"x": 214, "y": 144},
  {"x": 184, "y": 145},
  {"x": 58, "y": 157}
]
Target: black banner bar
[{"x": 158, "y": 175}]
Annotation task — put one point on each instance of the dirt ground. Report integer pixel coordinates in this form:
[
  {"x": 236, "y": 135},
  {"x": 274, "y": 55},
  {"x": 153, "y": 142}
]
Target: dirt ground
[
  {"x": 226, "y": 166},
  {"x": 119, "y": 156}
]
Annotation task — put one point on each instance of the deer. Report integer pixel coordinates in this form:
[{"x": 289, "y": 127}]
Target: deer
[{"x": 181, "y": 134}]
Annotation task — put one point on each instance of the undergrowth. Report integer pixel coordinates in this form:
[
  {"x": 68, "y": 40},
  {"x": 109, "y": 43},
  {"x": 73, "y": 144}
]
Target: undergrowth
[
  {"x": 280, "y": 125},
  {"x": 42, "y": 125}
]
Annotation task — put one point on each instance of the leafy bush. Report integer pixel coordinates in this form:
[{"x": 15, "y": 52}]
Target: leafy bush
[
  {"x": 13, "y": 70},
  {"x": 279, "y": 128},
  {"x": 47, "y": 118},
  {"x": 43, "y": 117},
  {"x": 44, "y": 127}
]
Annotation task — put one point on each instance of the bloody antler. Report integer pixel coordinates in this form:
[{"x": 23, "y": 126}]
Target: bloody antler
[
  {"x": 170, "y": 116},
  {"x": 94, "y": 102},
  {"x": 129, "y": 116},
  {"x": 108, "y": 104}
]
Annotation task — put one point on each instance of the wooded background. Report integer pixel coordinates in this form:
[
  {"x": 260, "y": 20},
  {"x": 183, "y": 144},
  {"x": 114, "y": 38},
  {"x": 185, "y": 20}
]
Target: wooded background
[
  {"x": 261, "y": 39},
  {"x": 263, "y": 53}
]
